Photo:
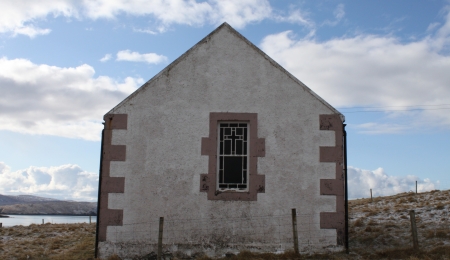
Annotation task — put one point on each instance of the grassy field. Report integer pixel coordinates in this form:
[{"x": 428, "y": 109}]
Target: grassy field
[
  {"x": 379, "y": 229},
  {"x": 48, "y": 241}
]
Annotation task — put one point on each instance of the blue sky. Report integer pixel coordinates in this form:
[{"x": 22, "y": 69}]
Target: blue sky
[{"x": 63, "y": 64}]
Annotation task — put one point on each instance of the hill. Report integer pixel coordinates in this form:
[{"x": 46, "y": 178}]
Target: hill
[
  {"x": 34, "y": 205},
  {"x": 22, "y": 199}
]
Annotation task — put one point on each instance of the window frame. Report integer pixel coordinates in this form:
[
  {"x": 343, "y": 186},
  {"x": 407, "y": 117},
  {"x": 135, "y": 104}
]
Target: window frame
[
  {"x": 247, "y": 168},
  {"x": 256, "y": 148}
]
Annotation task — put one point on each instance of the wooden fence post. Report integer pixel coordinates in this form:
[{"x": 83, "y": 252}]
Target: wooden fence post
[
  {"x": 416, "y": 187},
  {"x": 371, "y": 199},
  {"x": 294, "y": 229},
  {"x": 160, "y": 237},
  {"x": 414, "y": 229}
]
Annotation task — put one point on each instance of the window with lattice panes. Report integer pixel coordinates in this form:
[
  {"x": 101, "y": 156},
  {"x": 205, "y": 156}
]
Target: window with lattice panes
[{"x": 232, "y": 156}]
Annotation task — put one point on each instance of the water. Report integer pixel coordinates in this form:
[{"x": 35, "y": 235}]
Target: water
[{"x": 26, "y": 220}]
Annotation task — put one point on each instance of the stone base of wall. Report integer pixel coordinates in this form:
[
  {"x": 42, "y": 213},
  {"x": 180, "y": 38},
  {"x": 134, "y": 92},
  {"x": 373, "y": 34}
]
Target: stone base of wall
[{"x": 132, "y": 250}]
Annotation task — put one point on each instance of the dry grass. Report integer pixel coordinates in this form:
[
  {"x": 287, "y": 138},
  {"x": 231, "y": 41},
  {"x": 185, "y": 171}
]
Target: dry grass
[
  {"x": 387, "y": 234},
  {"x": 48, "y": 241}
]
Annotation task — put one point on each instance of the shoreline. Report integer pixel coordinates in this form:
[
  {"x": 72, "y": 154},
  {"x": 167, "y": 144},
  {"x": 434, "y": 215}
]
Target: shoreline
[{"x": 6, "y": 215}]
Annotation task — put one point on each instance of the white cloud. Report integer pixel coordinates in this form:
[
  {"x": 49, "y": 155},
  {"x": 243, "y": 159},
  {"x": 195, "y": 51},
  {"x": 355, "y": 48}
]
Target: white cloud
[
  {"x": 296, "y": 16},
  {"x": 65, "y": 182},
  {"x": 146, "y": 31},
  {"x": 377, "y": 128},
  {"x": 190, "y": 12},
  {"x": 432, "y": 26},
  {"x": 368, "y": 70},
  {"x": 127, "y": 55},
  {"x": 239, "y": 13},
  {"x": 338, "y": 13},
  {"x": 22, "y": 16},
  {"x": 18, "y": 16},
  {"x": 68, "y": 102},
  {"x": 361, "y": 181},
  {"x": 105, "y": 58},
  {"x": 30, "y": 31}
]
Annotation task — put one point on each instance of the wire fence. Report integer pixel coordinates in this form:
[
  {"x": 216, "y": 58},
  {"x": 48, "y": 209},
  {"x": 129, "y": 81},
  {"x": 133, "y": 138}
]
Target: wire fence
[
  {"x": 381, "y": 234},
  {"x": 386, "y": 223},
  {"x": 374, "y": 224}
]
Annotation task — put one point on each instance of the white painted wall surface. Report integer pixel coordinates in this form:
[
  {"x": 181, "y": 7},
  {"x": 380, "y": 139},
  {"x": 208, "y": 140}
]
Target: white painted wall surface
[{"x": 167, "y": 118}]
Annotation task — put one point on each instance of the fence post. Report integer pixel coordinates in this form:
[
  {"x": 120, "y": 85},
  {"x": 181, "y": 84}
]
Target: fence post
[
  {"x": 416, "y": 187},
  {"x": 90, "y": 220},
  {"x": 1, "y": 225},
  {"x": 414, "y": 229},
  {"x": 160, "y": 237},
  {"x": 371, "y": 199},
  {"x": 42, "y": 221},
  {"x": 294, "y": 229}
]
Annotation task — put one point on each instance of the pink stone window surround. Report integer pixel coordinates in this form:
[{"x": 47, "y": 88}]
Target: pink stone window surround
[{"x": 256, "y": 148}]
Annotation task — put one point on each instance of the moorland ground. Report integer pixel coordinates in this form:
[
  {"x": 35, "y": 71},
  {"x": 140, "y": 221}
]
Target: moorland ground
[{"x": 378, "y": 229}]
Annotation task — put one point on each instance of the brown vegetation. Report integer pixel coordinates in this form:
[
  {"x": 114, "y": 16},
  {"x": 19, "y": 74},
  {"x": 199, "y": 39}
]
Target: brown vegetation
[{"x": 48, "y": 241}]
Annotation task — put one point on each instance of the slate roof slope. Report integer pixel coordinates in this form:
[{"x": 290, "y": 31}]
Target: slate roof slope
[{"x": 226, "y": 26}]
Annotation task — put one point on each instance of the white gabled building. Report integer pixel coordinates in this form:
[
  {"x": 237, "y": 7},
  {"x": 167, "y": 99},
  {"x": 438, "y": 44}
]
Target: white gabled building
[{"x": 222, "y": 143}]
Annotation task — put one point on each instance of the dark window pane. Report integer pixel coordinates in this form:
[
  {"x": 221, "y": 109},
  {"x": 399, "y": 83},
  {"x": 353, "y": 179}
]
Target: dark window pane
[
  {"x": 242, "y": 186},
  {"x": 223, "y": 125},
  {"x": 227, "y": 147},
  {"x": 227, "y": 131},
  {"x": 221, "y": 148},
  {"x": 233, "y": 125},
  {"x": 245, "y": 134},
  {"x": 220, "y": 176},
  {"x": 245, "y": 148},
  {"x": 221, "y": 162},
  {"x": 242, "y": 125},
  {"x": 221, "y": 134},
  {"x": 233, "y": 170},
  {"x": 232, "y": 186},
  {"x": 244, "y": 165},
  {"x": 244, "y": 177},
  {"x": 239, "y": 131},
  {"x": 223, "y": 186},
  {"x": 238, "y": 147}
]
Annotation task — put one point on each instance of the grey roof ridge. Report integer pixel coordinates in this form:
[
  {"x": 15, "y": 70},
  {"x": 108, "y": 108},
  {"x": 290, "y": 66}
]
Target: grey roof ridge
[{"x": 236, "y": 33}]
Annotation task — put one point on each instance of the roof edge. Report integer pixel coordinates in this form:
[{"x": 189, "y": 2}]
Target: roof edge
[
  {"x": 170, "y": 66},
  {"x": 236, "y": 33},
  {"x": 277, "y": 65}
]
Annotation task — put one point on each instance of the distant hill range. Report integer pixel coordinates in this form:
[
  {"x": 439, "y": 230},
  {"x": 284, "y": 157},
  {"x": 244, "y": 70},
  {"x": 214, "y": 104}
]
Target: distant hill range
[{"x": 34, "y": 205}]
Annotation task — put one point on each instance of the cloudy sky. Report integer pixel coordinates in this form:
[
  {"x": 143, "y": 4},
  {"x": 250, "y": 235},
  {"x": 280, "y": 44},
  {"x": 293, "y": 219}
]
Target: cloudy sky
[{"x": 64, "y": 63}]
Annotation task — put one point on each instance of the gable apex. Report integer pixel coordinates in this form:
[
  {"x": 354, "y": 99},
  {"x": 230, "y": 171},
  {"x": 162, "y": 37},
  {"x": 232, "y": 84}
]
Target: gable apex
[{"x": 226, "y": 28}]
